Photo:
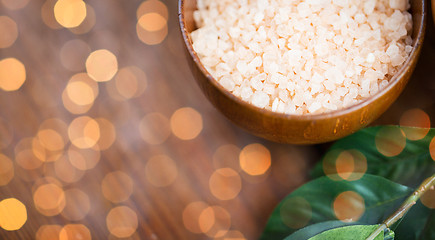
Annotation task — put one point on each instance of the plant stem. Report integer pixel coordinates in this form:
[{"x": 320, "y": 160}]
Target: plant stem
[{"x": 404, "y": 208}]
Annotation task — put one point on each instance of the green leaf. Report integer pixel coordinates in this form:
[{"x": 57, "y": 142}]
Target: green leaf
[
  {"x": 357, "y": 232},
  {"x": 313, "y": 203},
  {"x": 410, "y": 167},
  {"x": 315, "y": 229}
]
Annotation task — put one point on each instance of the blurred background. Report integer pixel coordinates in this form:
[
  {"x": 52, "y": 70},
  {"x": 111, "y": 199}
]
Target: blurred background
[{"x": 105, "y": 135}]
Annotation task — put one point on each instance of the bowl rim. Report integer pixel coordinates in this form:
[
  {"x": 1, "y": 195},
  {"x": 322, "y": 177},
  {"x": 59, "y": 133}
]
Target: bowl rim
[{"x": 396, "y": 79}]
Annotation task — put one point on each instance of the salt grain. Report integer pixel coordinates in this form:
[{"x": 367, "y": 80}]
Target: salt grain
[{"x": 301, "y": 57}]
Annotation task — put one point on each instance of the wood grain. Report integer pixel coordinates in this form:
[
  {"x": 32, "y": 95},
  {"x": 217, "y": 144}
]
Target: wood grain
[{"x": 170, "y": 86}]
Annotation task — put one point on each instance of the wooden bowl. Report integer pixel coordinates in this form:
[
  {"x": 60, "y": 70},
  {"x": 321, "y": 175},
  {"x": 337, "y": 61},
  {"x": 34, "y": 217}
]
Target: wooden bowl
[{"x": 301, "y": 129}]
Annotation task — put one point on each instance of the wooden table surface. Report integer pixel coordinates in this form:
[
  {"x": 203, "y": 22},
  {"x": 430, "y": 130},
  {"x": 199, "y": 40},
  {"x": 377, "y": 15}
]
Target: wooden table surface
[{"x": 142, "y": 155}]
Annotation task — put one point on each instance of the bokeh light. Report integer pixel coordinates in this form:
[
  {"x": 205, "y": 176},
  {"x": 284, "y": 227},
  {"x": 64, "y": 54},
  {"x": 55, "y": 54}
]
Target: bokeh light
[
  {"x": 48, "y": 232},
  {"x": 81, "y": 90},
  {"x": 67, "y": 172},
  {"x": 152, "y": 6},
  {"x": 129, "y": 82},
  {"x": 49, "y": 199},
  {"x": 84, "y": 132},
  {"x": 77, "y": 205},
  {"x": 390, "y": 141},
  {"x": 13, "y": 214},
  {"x": 122, "y": 222},
  {"x": 227, "y": 156},
  {"x": 9, "y": 31},
  {"x": 70, "y": 13},
  {"x": 186, "y": 123},
  {"x": 415, "y": 118},
  {"x": 73, "y": 54},
  {"x": 101, "y": 65},
  {"x": 349, "y": 165},
  {"x": 152, "y": 27},
  {"x": 225, "y": 184},
  {"x": 50, "y": 139},
  {"x": 349, "y": 206},
  {"x": 152, "y": 22},
  {"x": 191, "y": 215},
  {"x": 428, "y": 198},
  {"x": 214, "y": 221},
  {"x": 6, "y": 170},
  {"x": 107, "y": 133},
  {"x": 88, "y": 23},
  {"x": 154, "y": 128},
  {"x": 27, "y": 155},
  {"x": 117, "y": 186},
  {"x": 255, "y": 159},
  {"x": 14, "y": 4},
  {"x": 432, "y": 148},
  {"x": 296, "y": 212},
  {"x": 83, "y": 159},
  {"x": 12, "y": 74},
  {"x": 75, "y": 232},
  {"x": 161, "y": 171},
  {"x": 47, "y": 14},
  {"x": 80, "y": 93}
]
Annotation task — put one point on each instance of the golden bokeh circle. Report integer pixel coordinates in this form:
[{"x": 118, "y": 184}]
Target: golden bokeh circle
[
  {"x": 13, "y": 214},
  {"x": 225, "y": 184},
  {"x": 48, "y": 232},
  {"x": 122, "y": 222},
  {"x": 101, "y": 65},
  {"x": 75, "y": 231},
  {"x": 186, "y": 123},
  {"x": 152, "y": 6},
  {"x": 83, "y": 159},
  {"x": 47, "y": 14},
  {"x": 151, "y": 38},
  {"x": 349, "y": 206},
  {"x": 255, "y": 159},
  {"x": 152, "y": 22},
  {"x": 49, "y": 199},
  {"x": 191, "y": 215},
  {"x": 84, "y": 132},
  {"x": 8, "y": 30},
  {"x": 130, "y": 82},
  {"x": 428, "y": 198},
  {"x": 88, "y": 23},
  {"x": 28, "y": 154},
  {"x": 117, "y": 186},
  {"x": 107, "y": 133},
  {"x": 214, "y": 221},
  {"x": 415, "y": 124},
  {"x": 432, "y": 148},
  {"x": 12, "y": 74},
  {"x": 70, "y": 13},
  {"x": 390, "y": 141}
]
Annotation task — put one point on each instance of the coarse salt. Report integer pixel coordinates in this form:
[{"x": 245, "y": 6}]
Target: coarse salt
[{"x": 302, "y": 57}]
